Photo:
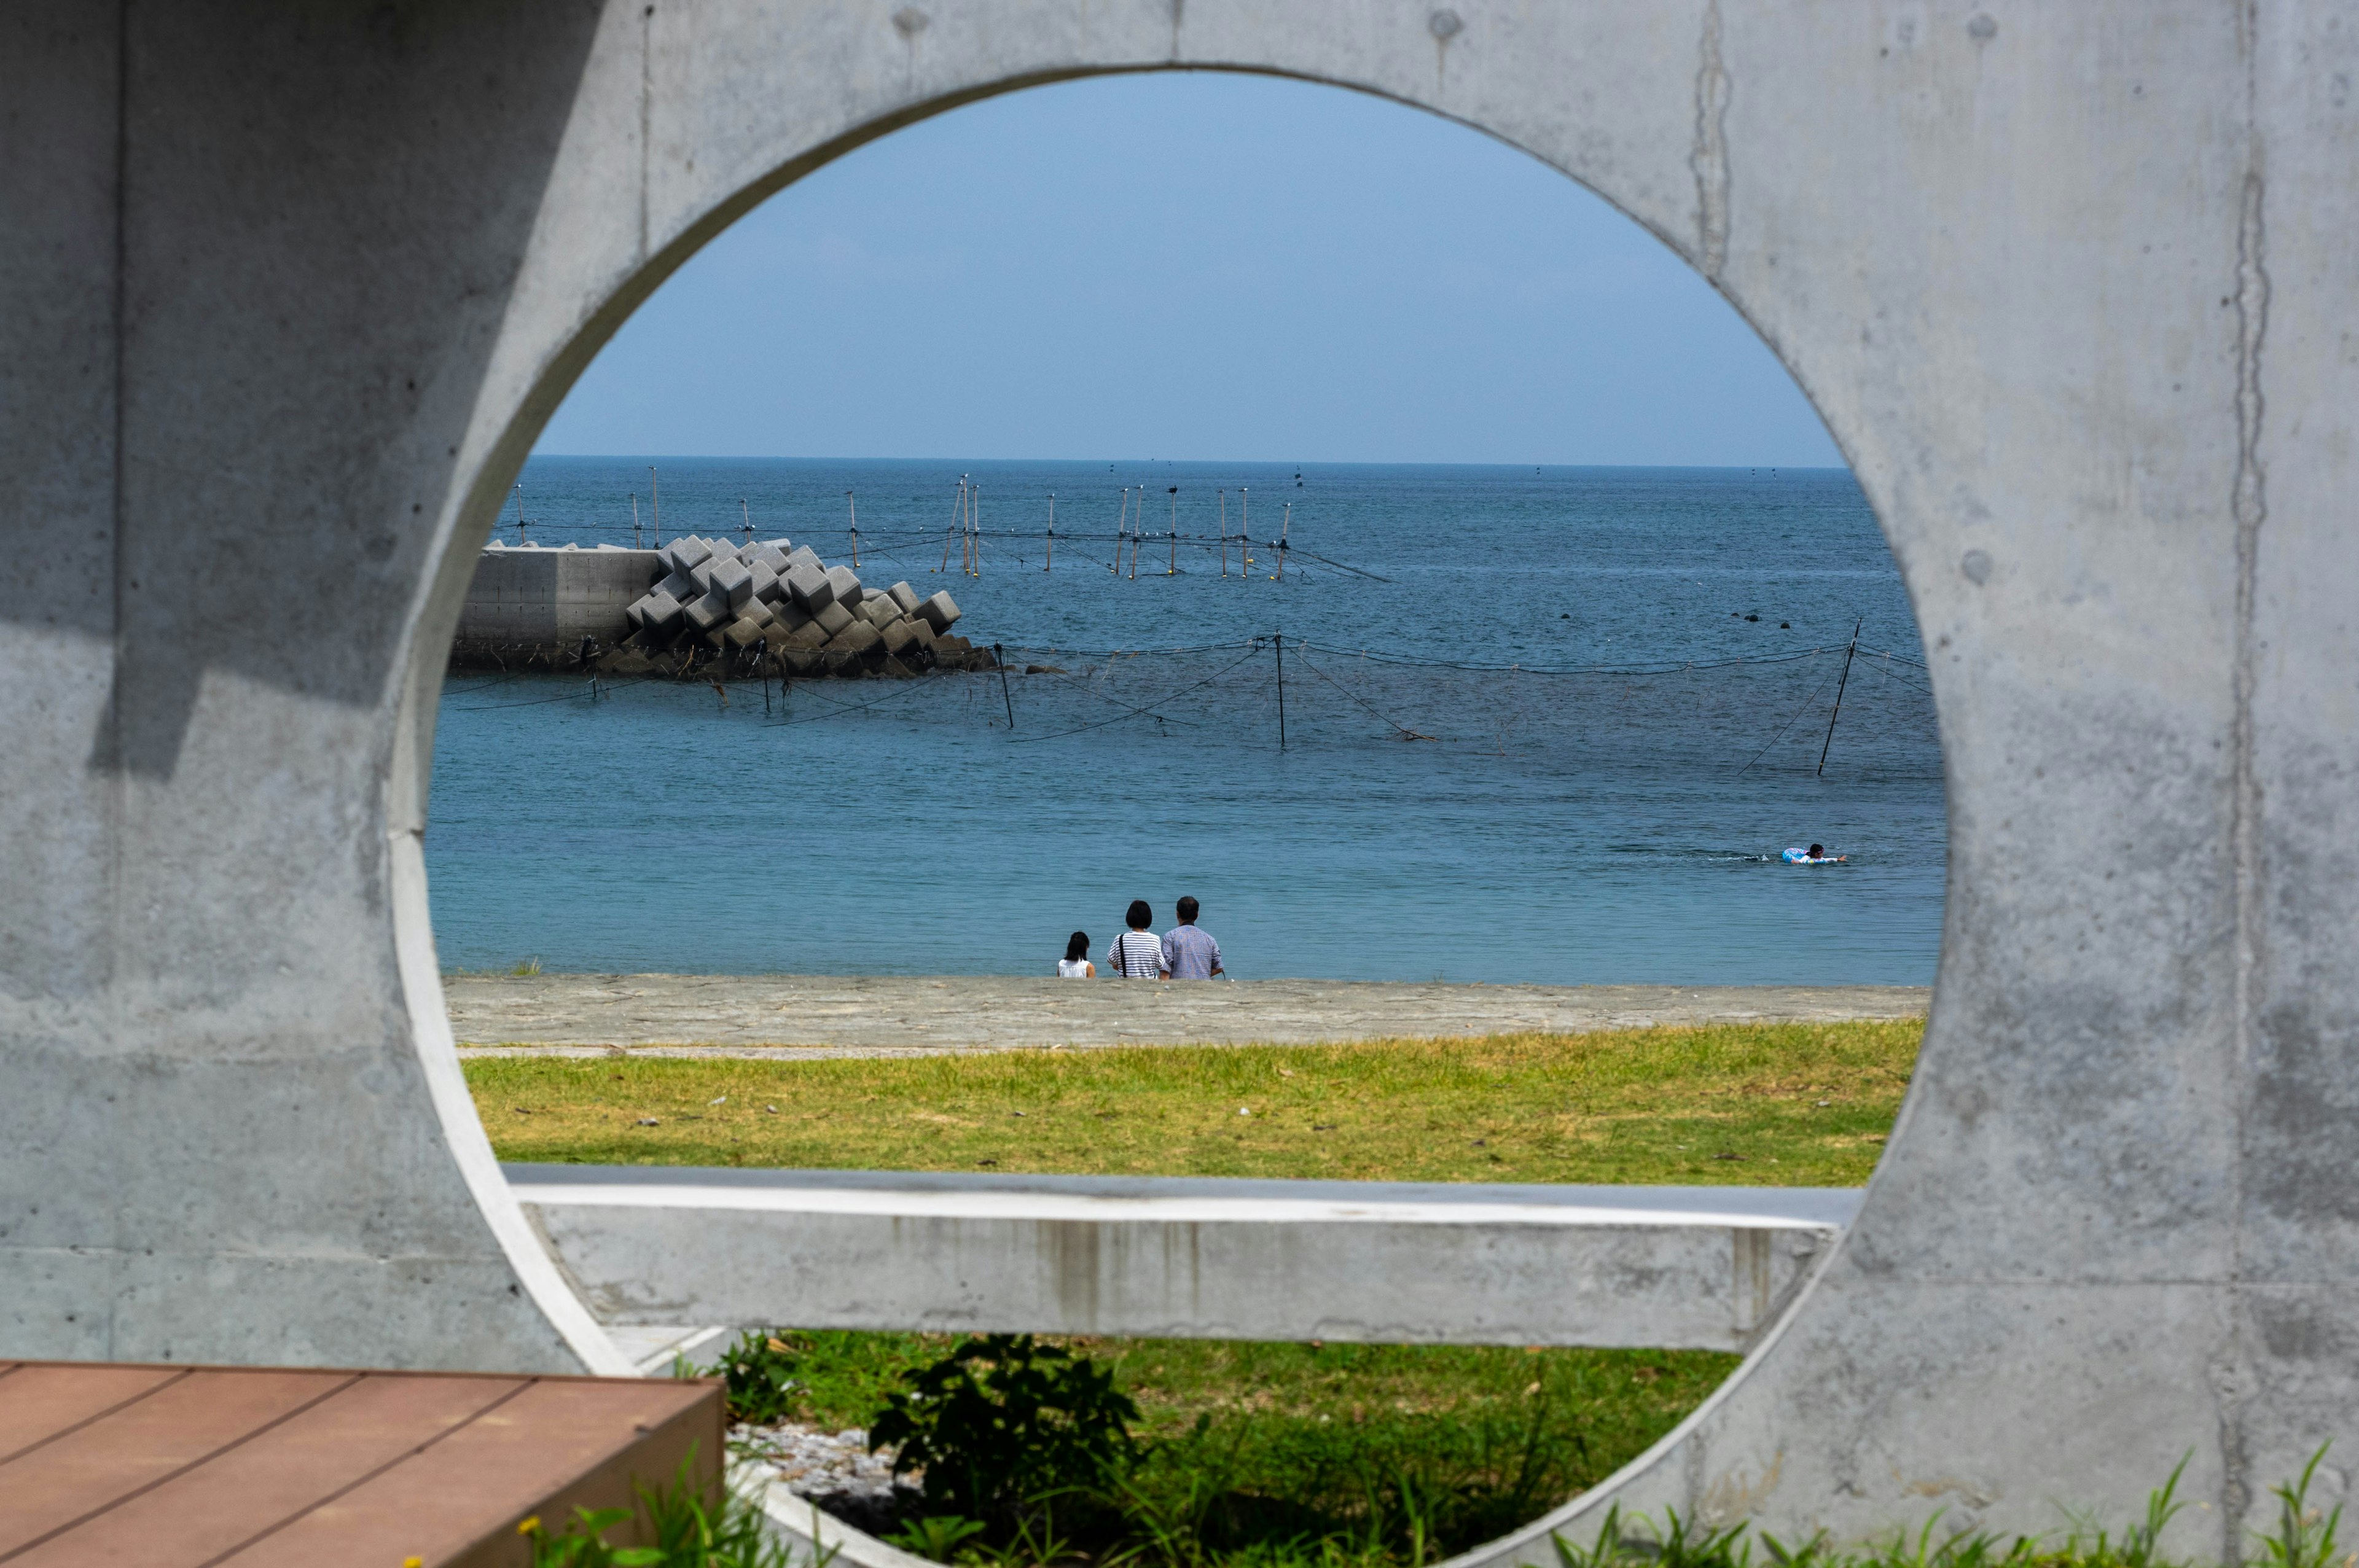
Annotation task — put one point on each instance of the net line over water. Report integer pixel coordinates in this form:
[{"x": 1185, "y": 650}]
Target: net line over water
[{"x": 1867, "y": 711}]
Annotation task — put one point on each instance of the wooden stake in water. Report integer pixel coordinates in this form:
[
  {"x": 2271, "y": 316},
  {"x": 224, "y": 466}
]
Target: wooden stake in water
[
  {"x": 519, "y": 496},
  {"x": 974, "y": 529},
  {"x": 950, "y": 533},
  {"x": 1051, "y": 558},
  {"x": 636, "y": 543},
  {"x": 1284, "y": 525},
  {"x": 1280, "y": 640},
  {"x": 1001, "y": 660},
  {"x": 1121, "y": 521},
  {"x": 1244, "y": 533},
  {"x": 1838, "y": 691},
  {"x": 855, "y": 529},
  {"x": 655, "y": 482},
  {"x": 1173, "y": 570},
  {"x": 1224, "y": 536},
  {"x": 748, "y": 516}
]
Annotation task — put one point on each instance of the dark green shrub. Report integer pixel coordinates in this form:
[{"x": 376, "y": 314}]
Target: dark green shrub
[
  {"x": 1003, "y": 1421},
  {"x": 760, "y": 1372}
]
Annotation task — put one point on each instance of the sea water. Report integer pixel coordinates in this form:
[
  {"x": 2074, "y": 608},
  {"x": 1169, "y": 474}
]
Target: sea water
[{"x": 1540, "y": 724}]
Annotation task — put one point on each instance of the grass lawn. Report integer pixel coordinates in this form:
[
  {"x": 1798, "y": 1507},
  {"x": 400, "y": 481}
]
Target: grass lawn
[
  {"x": 1258, "y": 1454},
  {"x": 1337, "y": 1442},
  {"x": 1785, "y": 1104}
]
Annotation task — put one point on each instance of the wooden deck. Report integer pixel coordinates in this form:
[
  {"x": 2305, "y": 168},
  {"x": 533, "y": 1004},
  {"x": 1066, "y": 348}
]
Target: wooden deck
[{"x": 138, "y": 1467}]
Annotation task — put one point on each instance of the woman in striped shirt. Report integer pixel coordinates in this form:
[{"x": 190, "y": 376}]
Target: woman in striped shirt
[{"x": 1138, "y": 953}]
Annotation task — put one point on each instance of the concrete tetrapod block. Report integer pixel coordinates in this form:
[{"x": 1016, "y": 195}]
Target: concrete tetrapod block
[
  {"x": 733, "y": 578},
  {"x": 787, "y": 613},
  {"x": 879, "y": 610},
  {"x": 659, "y": 614},
  {"x": 811, "y": 587},
  {"x": 744, "y": 632},
  {"x": 766, "y": 582},
  {"x": 905, "y": 598},
  {"x": 846, "y": 583},
  {"x": 941, "y": 611},
  {"x": 769, "y": 554},
  {"x": 857, "y": 637},
  {"x": 804, "y": 556},
  {"x": 679, "y": 585},
  {"x": 686, "y": 551},
  {"x": 709, "y": 611},
  {"x": 901, "y": 636},
  {"x": 831, "y": 618},
  {"x": 807, "y": 635},
  {"x": 757, "y": 612}
]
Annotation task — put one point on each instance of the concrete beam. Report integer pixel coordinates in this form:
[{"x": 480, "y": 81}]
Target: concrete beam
[{"x": 1702, "y": 1268}]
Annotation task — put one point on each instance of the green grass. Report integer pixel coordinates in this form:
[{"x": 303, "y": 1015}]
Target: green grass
[
  {"x": 1793, "y": 1105},
  {"x": 1268, "y": 1454},
  {"x": 1272, "y": 1443}
]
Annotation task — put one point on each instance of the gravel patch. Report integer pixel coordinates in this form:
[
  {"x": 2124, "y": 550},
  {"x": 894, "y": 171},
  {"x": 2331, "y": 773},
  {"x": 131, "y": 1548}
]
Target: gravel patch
[{"x": 834, "y": 1470}]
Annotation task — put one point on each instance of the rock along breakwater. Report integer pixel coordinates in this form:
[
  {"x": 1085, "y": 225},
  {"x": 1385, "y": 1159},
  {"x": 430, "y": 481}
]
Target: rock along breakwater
[{"x": 704, "y": 607}]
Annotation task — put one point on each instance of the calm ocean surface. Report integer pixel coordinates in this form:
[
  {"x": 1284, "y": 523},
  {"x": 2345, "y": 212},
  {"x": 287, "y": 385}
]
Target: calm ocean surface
[{"x": 1498, "y": 823}]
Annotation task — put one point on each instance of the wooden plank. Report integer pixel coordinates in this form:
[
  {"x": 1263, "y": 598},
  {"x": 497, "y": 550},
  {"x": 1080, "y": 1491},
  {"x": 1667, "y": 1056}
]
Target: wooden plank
[
  {"x": 39, "y": 1402},
  {"x": 64, "y": 1481},
  {"x": 240, "y": 1495},
  {"x": 457, "y": 1503}
]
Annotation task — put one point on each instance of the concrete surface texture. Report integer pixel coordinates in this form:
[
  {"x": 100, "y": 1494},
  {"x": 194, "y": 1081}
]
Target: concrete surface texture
[
  {"x": 287, "y": 298},
  {"x": 545, "y": 598},
  {"x": 897, "y": 1015},
  {"x": 1397, "y": 1262}
]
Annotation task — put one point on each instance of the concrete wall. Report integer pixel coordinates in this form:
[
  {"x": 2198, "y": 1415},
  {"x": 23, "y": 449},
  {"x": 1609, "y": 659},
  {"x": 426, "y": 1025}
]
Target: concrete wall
[
  {"x": 1679, "y": 1267},
  {"x": 553, "y": 597},
  {"x": 285, "y": 300}
]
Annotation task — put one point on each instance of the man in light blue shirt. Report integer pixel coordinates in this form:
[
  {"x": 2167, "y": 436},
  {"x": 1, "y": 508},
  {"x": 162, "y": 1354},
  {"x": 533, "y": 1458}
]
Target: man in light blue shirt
[{"x": 1190, "y": 954}]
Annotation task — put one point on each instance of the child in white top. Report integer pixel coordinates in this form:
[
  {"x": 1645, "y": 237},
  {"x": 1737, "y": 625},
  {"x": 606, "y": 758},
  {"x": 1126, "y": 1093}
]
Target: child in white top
[{"x": 1075, "y": 964}]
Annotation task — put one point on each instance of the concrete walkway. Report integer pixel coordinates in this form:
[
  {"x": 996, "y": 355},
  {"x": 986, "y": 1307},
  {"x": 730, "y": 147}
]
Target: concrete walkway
[{"x": 818, "y": 1015}]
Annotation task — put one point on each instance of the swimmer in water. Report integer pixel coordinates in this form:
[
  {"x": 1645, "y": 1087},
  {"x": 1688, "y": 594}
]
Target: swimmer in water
[{"x": 1816, "y": 854}]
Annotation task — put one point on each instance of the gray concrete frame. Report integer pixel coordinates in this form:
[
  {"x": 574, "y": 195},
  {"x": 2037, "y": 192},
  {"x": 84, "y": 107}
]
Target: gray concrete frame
[
  {"x": 289, "y": 291},
  {"x": 1382, "y": 1262}
]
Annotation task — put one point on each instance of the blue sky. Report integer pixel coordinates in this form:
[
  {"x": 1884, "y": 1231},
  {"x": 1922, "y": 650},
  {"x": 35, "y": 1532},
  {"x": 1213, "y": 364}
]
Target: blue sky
[{"x": 1190, "y": 266}]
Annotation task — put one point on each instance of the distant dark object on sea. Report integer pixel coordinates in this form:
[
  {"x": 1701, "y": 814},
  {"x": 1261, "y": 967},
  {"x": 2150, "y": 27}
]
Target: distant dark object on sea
[{"x": 1753, "y": 618}]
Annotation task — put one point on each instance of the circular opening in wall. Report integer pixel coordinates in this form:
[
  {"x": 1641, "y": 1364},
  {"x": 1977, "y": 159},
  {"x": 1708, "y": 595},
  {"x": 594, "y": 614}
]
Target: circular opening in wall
[{"x": 1206, "y": 487}]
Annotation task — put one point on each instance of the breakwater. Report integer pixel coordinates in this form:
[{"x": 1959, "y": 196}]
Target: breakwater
[{"x": 704, "y": 607}]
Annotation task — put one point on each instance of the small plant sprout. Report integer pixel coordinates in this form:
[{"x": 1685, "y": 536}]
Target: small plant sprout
[{"x": 2304, "y": 1538}]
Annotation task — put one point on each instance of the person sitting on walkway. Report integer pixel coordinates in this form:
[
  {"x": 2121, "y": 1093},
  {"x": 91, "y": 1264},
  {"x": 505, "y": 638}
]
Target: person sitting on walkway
[
  {"x": 1190, "y": 954},
  {"x": 1816, "y": 854},
  {"x": 1135, "y": 954},
  {"x": 1075, "y": 964}
]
